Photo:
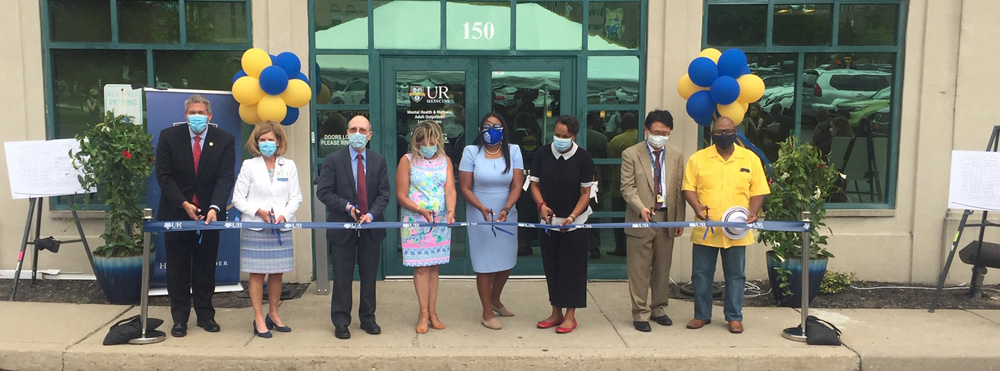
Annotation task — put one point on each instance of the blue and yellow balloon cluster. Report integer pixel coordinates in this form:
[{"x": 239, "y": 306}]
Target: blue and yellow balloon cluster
[
  {"x": 270, "y": 87},
  {"x": 719, "y": 84}
]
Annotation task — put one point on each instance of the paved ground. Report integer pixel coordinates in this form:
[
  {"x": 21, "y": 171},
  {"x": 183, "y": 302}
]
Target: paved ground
[{"x": 45, "y": 336}]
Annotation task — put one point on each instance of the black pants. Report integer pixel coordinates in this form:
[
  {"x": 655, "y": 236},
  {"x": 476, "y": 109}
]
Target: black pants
[
  {"x": 365, "y": 251},
  {"x": 191, "y": 261},
  {"x": 564, "y": 259}
]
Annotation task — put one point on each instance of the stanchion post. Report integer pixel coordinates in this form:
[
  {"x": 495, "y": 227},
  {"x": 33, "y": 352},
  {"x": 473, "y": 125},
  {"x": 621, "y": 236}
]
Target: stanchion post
[
  {"x": 147, "y": 216},
  {"x": 799, "y": 333}
]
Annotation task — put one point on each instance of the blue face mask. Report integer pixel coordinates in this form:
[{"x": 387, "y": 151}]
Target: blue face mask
[
  {"x": 268, "y": 148},
  {"x": 198, "y": 123},
  {"x": 428, "y": 151},
  {"x": 562, "y": 144},
  {"x": 492, "y": 136},
  {"x": 357, "y": 141}
]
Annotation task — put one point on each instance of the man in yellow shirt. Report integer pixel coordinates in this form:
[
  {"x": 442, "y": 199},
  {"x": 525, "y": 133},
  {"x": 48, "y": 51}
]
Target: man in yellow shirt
[{"x": 715, "y": 179}]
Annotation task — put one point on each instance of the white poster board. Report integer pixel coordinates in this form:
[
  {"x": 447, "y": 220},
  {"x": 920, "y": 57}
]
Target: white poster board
[
  {"x": 123, "y": 100},
  {"x": 975, "y": 181},
  {"x": 42, "y": 168}
]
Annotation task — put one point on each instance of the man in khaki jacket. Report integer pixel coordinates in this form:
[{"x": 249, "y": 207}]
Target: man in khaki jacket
[{"x": 652, "y": 172}]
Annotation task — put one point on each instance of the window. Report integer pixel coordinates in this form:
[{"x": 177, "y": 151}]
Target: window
[
  {"x": 830, "y": 77},
  {"x": 163, "y": 43}
]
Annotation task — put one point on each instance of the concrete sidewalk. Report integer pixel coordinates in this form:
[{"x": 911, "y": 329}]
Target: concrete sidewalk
[{"x": 45, "y": 336}]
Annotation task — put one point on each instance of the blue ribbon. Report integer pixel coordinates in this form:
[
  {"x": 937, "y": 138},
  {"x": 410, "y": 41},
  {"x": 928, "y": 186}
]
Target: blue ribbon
[{"x": 178, "y": 226}]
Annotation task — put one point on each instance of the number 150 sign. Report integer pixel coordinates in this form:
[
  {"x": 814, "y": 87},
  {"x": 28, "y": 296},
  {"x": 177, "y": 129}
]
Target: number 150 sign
[{"x": 479, "y": 30}]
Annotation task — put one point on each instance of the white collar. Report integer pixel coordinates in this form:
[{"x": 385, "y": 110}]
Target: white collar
[
  {"x": 202, "y": 135},
  {"x": 651, "y": 149},
  {"x": 565, "y": 156}
]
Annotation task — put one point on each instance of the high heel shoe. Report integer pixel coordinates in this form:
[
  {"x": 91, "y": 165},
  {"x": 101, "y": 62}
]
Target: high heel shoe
[
  {"x": 271, "y": 325},
  {"x": 266, "y": 334},
  {"x": 436, "y": 323},
  {"x": 422, "y": 325}
]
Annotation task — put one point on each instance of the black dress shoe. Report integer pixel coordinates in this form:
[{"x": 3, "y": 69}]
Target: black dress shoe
[
  {"x": 179, "y": 330},
  {"x": 371, "y": 328},
  {"x": 209, "y": 325},
  {"x": 595, "y": 254},
  {"x": 663, "y": 320},
  {"x": 616, "y": 253},
  {"x": 642, "y": 326},
  {"x": 341, "y": 332}
]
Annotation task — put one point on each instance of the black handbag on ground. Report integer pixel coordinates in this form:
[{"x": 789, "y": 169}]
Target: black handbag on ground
[
  {"x": 820, "y": 332},
  {"x": 131, "y": 328}
]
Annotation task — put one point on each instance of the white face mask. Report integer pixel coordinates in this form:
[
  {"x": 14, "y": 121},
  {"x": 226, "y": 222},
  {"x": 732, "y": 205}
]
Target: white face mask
[{"x": 657, "y": 141}]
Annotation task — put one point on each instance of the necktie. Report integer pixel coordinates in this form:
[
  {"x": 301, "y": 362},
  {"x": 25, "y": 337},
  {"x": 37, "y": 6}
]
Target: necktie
[
  {"x": 658, "y": 180},
  {"x": 362, "y": 186},
  {"x": 196, "y": 154}
]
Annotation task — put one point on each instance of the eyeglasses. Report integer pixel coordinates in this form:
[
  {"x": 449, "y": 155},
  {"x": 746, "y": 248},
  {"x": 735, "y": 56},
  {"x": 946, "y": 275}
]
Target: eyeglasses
[
  {"x": 660, "y": 133},
  {"x": 494, "y": 127},
  {"x": 724, "y": 132}
]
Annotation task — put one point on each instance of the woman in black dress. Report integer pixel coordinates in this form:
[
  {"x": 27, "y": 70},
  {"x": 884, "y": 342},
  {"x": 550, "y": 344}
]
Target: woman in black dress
[{"x": 561, "y": 175}]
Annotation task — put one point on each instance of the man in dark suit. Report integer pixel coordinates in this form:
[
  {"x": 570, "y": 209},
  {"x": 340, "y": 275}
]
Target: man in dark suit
[
  {"x": 354, "y": 186},
  {"x": 194, "y": 167}
]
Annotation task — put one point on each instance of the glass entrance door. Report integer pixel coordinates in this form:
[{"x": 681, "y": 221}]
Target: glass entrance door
[{"x": 457, "y": 93}]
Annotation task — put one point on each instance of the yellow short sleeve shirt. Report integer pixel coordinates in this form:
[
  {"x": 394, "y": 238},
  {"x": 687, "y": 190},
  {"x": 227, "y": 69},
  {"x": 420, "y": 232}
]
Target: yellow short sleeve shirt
[{"x": 721, "y": 184}]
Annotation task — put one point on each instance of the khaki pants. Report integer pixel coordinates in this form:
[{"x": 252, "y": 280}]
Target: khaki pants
[{"x": 648, "y": 260}]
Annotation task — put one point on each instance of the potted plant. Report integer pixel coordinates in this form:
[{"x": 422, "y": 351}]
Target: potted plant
[
  {"x": 804, "y": 182},
  {"x": 116, "y": 158}
]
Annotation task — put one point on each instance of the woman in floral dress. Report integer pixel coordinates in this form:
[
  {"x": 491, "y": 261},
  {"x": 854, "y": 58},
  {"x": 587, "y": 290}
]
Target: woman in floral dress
[{"x": 425, "y": 188}]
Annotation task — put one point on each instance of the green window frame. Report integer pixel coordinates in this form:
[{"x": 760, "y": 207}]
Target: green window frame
[
  {"x": 889, "y": 48},
  {"x": 185, "y": 41},
  {"x": 583, "y": 56}
]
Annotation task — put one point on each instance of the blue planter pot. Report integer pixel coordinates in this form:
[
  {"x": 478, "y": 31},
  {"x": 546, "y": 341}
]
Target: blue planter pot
[
  {"x": 817, "y": 268},
  {"x": 120, "y": 278}
]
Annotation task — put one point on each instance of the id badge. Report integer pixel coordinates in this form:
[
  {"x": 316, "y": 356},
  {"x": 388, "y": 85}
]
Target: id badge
[
  {"x": 281, "y": 176},
  {"x": 659, "y": 199}
]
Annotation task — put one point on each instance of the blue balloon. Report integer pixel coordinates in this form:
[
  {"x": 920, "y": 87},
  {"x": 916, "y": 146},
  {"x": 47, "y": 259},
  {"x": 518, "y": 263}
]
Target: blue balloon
[
  {"x": 303, "y": 77},
  {"x": 725, "y": 90},
  {"x": 273, "y": 80},
  {"x": 700, "y": 105},
  {"x": 703, "y": 71},
  {"x": 290, "y": 116},
  {"x": 704, "y": 121},
  {"x": 273, "y": 59},
  {"x": 745, "y": 71},
  {"x": 732, "y": 62},
  {"x": 238, "y": 75},
  {"x": 289, "y": 62}
]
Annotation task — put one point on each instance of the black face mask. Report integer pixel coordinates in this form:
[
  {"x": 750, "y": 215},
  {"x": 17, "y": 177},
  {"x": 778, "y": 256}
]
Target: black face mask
[{"x": 724, "y": 142}]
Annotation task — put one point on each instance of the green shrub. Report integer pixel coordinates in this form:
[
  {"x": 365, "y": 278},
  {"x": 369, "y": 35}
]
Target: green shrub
[{"x": 835, "y": 282}]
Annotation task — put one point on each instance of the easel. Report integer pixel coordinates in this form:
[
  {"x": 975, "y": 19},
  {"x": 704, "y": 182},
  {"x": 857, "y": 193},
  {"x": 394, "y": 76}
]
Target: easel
[
  {"x": 977, "y": 269},
  {"x": 33, "y": 201}
]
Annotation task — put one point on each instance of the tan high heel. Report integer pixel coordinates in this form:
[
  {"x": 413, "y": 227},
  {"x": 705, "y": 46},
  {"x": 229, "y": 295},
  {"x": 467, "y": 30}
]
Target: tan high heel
[
  {"x": 436, "y": 323},
  {"x": 421, "y": 325}
]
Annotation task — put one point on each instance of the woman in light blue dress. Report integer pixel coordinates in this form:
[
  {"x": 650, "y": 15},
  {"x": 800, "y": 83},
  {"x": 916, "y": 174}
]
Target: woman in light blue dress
[{"x": 490, "y": 176}]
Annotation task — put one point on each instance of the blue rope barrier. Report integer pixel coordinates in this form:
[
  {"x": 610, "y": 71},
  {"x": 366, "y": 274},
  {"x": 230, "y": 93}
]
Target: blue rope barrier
[{"x": 180, "y": 226}]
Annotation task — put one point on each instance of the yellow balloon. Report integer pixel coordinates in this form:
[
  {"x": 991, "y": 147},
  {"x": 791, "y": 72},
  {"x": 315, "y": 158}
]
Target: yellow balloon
[
  {"x": 685, "y": 87},
  {"x": 246, "y": 90},
  {"x": 751, "y": 88},
  {"x": 324, "y": 95},
  {"x": 297, "y": 94},
  {"x": 271, "y": 108},
  {"x": 734, "y": 111},
  {"x": 711, "y": 53},
  {"x": 248, "y": 112},
  {"x": 255, "y": 60}
]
